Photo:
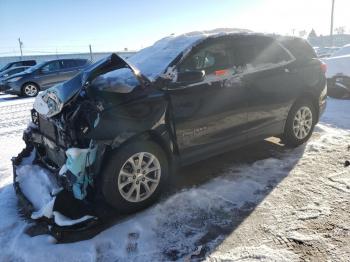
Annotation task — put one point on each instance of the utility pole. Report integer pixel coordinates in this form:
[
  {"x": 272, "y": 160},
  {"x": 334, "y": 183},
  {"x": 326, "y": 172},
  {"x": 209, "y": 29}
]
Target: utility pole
[
  {"x": 20, "y": 47},
  {"x": 332, "y": 22},
  {"x": 90, "y": 52}
]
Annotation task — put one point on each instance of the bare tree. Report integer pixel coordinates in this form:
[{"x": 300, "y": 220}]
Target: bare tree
[
  {"x": 312, "y": 33},
  {"x": 340, "y": 30}
]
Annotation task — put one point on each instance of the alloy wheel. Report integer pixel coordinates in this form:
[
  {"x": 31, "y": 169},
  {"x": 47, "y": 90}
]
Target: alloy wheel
[
  {"x": 30, "y": 90},
  {"x": 139, "y": 177},
  {"x": 302, "y": 123}
]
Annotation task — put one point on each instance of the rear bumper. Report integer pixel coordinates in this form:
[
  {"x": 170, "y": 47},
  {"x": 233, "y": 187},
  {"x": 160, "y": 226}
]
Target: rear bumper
[
  {"x": 323, "y": 106},
  {"x": 322, "y": 103}
]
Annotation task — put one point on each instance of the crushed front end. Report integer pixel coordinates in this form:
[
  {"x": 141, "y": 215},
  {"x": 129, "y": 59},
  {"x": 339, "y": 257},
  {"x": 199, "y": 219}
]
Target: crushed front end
[
  {"x": 60, "y": 146},
  {"x": 71, "y": 161}
]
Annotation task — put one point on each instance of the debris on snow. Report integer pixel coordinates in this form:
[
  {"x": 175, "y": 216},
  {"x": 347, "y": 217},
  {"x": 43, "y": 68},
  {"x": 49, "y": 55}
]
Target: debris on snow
[{"x": 62, "y": 220}]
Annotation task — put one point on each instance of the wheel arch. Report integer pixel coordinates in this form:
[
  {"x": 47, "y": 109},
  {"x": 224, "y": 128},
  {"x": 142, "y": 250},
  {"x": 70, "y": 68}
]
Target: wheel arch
[
  {"x": 162, "y": 139},
  {"x": 306, "y": 95}
]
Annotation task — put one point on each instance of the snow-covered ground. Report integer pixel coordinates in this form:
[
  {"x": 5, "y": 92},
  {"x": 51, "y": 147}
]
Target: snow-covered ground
[{"x": 272, "y": 204}]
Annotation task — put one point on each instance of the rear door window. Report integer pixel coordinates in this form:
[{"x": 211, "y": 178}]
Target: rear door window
[
  {"x": 16, "y": 64},
  {"x": 68, "y": 64},
  {"x": 51, "y": 67},
  {"x": 255, "y": 53}
]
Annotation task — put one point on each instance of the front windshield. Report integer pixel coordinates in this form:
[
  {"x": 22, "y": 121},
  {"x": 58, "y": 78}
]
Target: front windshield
[
  {"x": 153, "y": 61},
  {"x": 33, "y": 68}
]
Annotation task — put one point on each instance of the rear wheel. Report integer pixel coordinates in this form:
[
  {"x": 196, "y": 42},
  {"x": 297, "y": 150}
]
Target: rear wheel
[
  {"x": 135, "y": 176},
  {"x": 30, "y": 90},
  {"x": 300, "y": 123}
]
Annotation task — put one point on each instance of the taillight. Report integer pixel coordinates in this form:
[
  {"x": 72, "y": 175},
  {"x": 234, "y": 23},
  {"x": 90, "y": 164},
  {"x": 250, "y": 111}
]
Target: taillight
[{"x": 323, "y": 67}]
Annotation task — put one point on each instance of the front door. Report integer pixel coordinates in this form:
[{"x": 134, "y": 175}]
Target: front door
[{"x": 210, "y": 115}]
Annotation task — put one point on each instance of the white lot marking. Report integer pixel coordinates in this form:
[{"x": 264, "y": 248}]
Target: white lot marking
[{"x": 288, "y": 208}]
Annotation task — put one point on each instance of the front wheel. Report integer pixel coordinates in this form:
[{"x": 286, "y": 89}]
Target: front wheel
[
  {"x": 135, "y": 176},
  {"x": 300, "y": 123},
  {"x": 30, "y": 90}
]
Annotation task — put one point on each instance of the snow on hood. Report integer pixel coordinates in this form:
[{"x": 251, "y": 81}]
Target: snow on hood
[
  {"x": 338, "y": 65},
  {"x": 152, "y": 61}
]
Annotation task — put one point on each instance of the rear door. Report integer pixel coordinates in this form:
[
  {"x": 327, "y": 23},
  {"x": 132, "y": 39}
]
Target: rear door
[
  {"x": 271, "y": 85},
  {"x": 69, "y": 68},
  {"x": 209, "y": 115},
  {"x": 48, "y": 75}
]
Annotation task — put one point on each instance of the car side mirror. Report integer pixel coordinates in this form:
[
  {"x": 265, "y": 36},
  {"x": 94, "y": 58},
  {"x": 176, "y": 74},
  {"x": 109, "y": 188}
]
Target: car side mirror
[{"x": 189, "y": 77}]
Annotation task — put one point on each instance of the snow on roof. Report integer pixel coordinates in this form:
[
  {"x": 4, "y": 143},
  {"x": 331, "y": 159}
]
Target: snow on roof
[{"x": 152, "y": 61}]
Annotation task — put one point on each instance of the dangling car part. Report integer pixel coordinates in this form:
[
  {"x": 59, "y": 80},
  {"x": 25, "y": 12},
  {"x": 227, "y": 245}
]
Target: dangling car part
[
  {"x": 117, "y": 130},
  {"x": 339, "y": 87}
]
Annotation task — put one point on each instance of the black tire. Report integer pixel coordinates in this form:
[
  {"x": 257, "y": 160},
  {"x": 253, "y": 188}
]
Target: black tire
[
  {"x": 289, "y": 137},
  {"x": 33, "y": 87},
  {"x": 114, "y": 165}
]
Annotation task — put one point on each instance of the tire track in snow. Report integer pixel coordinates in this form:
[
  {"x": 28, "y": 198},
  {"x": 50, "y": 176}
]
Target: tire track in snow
[{"x": 14, "y": 118}]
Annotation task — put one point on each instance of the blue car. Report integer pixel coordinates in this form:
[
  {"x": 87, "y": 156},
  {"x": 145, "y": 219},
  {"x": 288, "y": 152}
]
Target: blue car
[
  {"x": 42, "y": 76},
  {"x": 12, "y": 71}
]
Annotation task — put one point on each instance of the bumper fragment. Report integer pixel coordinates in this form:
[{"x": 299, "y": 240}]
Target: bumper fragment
[{"x": 26, "y": 208}]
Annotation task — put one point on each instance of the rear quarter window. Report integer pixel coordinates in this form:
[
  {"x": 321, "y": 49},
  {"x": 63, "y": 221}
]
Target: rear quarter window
[{"x": 299, "y": 48}]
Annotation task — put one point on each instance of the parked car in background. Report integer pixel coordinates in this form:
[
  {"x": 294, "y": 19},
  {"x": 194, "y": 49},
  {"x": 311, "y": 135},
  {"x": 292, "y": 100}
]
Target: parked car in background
[
  {"x": 345, "y": 50},
  {"x": 18, "y": 64},
  {"x": 121, "y": 126},
  {"x": 338, "y": 73},
  {"x": 43, "y": 76},
  {"x": 323, "y": 52},
  {"x": 12, "y": 71}
]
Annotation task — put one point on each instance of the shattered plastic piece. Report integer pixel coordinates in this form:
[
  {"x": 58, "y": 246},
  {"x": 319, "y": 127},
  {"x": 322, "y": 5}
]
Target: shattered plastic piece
[
  {"x": 77, "y": 162},
  {"x": 97, "y": 120},
  {"x": 62, "y": 220},
  {"x": 63, "y": 170},
  {"x": 45, "y": 211}
]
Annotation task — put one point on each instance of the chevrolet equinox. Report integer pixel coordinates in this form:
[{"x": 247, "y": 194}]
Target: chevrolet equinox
[{"x": 118, "y": 128}]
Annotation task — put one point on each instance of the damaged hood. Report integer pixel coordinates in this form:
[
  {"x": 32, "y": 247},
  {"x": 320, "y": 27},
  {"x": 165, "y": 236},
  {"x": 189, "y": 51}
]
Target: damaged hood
[{"x": 51, "y": 101}]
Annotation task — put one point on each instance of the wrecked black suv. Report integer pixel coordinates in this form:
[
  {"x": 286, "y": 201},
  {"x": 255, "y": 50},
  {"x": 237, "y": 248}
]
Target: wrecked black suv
[{"x": 119, "y": 128}]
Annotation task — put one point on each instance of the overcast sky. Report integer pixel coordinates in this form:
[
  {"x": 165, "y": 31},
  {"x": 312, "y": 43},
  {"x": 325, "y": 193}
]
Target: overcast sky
[{"x": 110, "y": 25}]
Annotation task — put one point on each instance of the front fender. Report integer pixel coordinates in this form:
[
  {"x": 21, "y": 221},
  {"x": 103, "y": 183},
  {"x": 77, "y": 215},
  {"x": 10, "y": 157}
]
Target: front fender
[{"x": 148, "y": 115}]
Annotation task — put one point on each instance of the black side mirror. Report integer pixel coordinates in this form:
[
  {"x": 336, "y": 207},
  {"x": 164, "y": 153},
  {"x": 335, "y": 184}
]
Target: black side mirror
[{"x": 190, "y": 77}]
